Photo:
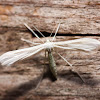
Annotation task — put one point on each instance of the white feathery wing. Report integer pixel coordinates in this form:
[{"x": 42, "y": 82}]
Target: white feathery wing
[
  {"x": 86, "y": 44},
  {"x": 10, "y": 57}
]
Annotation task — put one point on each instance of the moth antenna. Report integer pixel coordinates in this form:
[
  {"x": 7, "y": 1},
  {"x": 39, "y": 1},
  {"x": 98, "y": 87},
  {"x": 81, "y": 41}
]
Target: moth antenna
[
  {"x": 29, "y": 41},
  {"x": 33, "y": 32},
  {"x": 56, "y": 32},
  {"x": 65, "y": 60},
  {"x": 39, "y": 31}
]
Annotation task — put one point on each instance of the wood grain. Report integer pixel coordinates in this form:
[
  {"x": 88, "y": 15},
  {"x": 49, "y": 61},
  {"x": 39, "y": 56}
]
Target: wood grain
[
  {"x": 75, "y": 16},
  {"x": 19, "y": 81}
]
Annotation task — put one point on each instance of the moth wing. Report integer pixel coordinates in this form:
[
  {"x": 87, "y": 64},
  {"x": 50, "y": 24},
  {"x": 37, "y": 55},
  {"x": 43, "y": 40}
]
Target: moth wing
[
  {"x": 11, "y": 57},
  {"x": 86, "y": 44}
]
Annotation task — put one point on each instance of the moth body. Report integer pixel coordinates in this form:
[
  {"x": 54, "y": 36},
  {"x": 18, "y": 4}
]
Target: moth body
[
  {"x": 52, "y": 63},
  {"x": 48, "y": 45}
]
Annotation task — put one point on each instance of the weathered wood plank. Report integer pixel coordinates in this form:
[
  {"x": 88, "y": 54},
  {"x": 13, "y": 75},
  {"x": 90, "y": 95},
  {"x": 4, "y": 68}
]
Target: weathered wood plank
[
  {"x": 77, "y": 17},
  {"x": 18, "y": 82}
]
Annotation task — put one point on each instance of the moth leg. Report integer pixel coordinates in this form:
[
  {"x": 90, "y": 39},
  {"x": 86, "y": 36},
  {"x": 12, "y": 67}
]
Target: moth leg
[
  {"x": 65, "y": 60},
  {"x": 78, "y": 75},
  {"x": 28, "y": 41},
  {"x": 56, "y": 32},
  {"x": 42, "y": 75},
  {"x": 72, "y": 70}
]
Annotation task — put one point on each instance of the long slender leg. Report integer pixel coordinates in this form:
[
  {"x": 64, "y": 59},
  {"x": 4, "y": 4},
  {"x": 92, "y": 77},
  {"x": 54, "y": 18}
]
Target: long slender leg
[
  {"x": 65, "y": 60},
  {"x": 42, "y": 75},
  {"x": 72, "y": 70},
  {"x": 39, "y": 31},
  {"x": 33, "y": 32},
  {"x": 52, "y": 31},
  {"x": 29, "y": 41},
  {"x": 56, "y": 32}
]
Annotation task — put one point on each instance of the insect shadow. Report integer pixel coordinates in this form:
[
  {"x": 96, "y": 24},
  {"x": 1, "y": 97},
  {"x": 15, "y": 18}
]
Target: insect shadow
[
  {"x": 85, "y": 44},
  {"x": 24, "y": 88},
  {"x": 70, "y": 75},
  {"x": 21, "y": 90}
]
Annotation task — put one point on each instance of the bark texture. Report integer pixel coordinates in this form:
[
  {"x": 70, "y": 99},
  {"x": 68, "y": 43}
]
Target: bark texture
[
  {"x": 75, "y": 16},
  {"x": 18, "y": 82}
]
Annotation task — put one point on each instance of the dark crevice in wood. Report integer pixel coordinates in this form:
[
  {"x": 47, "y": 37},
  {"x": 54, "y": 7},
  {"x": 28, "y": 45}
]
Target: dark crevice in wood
[
  {"x": 68, "y": 34},
  {"x": 46, "y": 34}
]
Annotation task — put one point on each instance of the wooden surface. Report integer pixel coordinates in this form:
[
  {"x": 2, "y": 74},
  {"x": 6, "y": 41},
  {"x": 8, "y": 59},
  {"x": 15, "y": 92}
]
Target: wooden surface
[
  {"x": 75, "y": 16},
  {"x": 18, "y": 82}
]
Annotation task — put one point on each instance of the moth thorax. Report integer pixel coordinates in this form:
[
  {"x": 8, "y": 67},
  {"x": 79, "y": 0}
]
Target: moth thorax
[
  {"x": 48, "y": 45},
  {"x": 49, "y": 49}
]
